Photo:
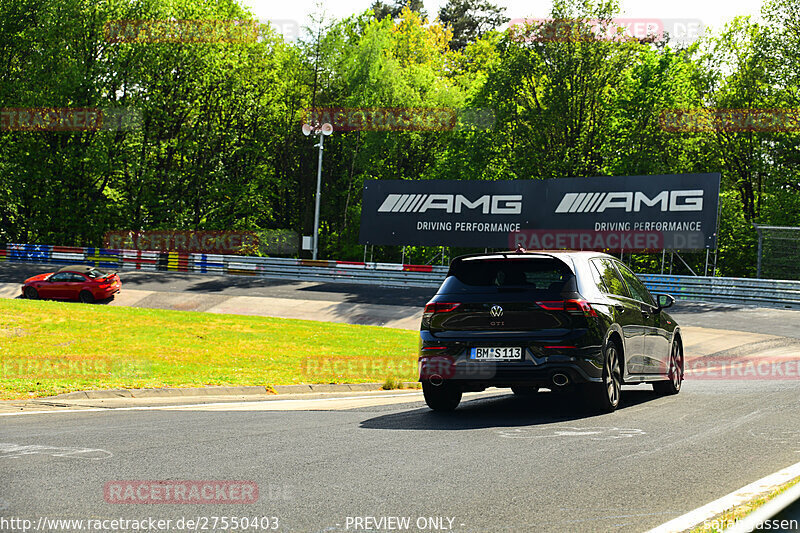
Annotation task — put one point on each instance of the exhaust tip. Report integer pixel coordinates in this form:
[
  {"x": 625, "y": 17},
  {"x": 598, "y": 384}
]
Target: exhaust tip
[
  {"x": 436, "y": 380},
  {"x": 560, "y": 380}
]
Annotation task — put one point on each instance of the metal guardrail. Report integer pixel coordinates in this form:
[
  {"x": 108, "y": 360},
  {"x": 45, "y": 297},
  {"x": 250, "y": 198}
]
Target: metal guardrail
[
  {"x": 384, "y": 274},
  {"x": 746, "y": 291}
]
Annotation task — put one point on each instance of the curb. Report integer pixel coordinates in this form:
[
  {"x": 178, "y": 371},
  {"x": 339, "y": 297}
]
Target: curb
[
  {"x": 759, "y": 518},
  {"x": 327, "y": 387},
  {"x": 221, "y": 391},
  {"x": 734, "y": 499}
]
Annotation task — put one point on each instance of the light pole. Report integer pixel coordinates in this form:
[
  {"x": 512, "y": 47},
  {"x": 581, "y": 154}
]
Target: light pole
[{"x": 322, "y": 130}]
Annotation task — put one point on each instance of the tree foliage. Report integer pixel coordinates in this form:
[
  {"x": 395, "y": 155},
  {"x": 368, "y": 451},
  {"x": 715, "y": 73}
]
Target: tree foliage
[
  {"x": 219, "y": 144},
  {"x": 469, "y": 20}
]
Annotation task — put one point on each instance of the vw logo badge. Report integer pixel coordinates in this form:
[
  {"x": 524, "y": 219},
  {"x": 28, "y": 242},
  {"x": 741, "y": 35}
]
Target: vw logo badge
[{"x": 496, "y": 311}]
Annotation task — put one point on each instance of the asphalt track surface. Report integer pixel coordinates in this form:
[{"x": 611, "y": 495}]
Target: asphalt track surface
[{"x": 499, "y": 463}]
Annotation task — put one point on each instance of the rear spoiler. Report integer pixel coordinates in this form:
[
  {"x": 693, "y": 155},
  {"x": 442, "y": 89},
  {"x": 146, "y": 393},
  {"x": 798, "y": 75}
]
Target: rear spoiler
[{"x": 504, "y": 255}]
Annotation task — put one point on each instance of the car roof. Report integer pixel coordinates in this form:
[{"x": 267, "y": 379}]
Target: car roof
[
  {"x": 77, "y": 268},
  {"x": 535, "y": 253}
]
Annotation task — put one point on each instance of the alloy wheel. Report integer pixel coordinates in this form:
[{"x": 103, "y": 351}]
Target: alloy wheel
[
  {"x": 613, "y": 375},
  {"x": 676, "y": 366}
]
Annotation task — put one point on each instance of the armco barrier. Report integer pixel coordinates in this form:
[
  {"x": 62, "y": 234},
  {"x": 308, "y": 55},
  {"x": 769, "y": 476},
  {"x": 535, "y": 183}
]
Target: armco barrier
[
  {"x": 385, "y": 274},
  {"x": 761, "y": 292}
]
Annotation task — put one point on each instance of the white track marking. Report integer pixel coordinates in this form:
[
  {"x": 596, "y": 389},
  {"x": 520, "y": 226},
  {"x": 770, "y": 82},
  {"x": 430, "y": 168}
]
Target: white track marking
[
  {"x": 594, "y": 433},
  {"x": 744, "y": 494},
  {"x": 14, "y": 451}
]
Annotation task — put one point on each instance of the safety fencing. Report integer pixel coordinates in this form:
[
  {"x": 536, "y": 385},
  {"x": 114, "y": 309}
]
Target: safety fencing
[{"x": 762, "y": 292}]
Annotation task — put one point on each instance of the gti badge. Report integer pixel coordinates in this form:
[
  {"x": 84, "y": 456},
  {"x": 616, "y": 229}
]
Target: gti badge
[{"x": 496, "y": 311}]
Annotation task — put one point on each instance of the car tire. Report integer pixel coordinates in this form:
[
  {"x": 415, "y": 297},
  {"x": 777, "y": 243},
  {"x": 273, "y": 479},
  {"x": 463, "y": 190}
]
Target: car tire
[
  {"x": 443, "y": 397},
  {"x": 605, "y": 397},
  {"x": 86, "y": 297},
  {"x": 673, "y": 384},
  {"x": 31, "y": 293},
  {"x": 525, "y": 390}
]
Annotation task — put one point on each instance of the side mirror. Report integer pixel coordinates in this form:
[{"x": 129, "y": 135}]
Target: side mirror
[{"x": 664, "y": 300}]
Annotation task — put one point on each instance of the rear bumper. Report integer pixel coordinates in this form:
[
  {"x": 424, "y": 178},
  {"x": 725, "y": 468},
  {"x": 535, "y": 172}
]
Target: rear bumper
[
  {"x": 103, "y": 294},
  {"x": 539, "y": 365},
  {"x": 483, "y": 375}
]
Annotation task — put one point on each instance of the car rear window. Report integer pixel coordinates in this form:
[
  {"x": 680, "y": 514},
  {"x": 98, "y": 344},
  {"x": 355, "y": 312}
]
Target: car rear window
[
  {"x": 540, "y": 275},
  {"x": 95, "y": 273}
]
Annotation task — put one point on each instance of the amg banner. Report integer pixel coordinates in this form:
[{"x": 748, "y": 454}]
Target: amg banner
[{"x": 632, "y": 213}]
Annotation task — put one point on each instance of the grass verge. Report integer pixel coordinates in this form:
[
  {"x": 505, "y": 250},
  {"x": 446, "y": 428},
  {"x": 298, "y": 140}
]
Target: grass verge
[
  {"x": 50, "y": 347},
  {"x": 723, "y": 521}
]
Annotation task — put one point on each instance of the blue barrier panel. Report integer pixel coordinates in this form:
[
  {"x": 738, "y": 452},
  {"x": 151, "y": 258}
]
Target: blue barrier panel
[
  {"x": 114, "y": 258},
  {"x": 203, "y": 264},
  {"x": 29, "y": 252}
]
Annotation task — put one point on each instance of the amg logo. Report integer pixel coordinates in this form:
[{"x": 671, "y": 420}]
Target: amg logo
[
  {"x": 597, "y": 202},
  {"x": 497, "y": 204}
]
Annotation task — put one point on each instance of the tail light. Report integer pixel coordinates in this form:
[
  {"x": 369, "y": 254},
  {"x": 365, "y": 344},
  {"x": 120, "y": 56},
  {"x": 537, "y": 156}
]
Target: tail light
[
  {"x": 552, "y": 305},
  {"x": 573, "y": 307},
  {"x": 108, "y": 281},
  {"x": 440, "y": 307}
]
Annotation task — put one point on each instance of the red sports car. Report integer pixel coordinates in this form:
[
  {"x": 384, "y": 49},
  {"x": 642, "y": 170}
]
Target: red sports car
[{"x": 76, "y": 282}]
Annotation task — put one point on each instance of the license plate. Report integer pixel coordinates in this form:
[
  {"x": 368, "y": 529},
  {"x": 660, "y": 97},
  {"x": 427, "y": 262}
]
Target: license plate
[{"x": 496, "y": 354}]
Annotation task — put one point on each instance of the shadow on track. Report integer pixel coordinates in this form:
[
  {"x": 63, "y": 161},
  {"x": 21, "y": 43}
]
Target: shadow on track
[
  {"x": 369, "y": 294},
  {"x": 504, "y": 411},
  {"x": 196, "y": 282},
  {"x": 19, "y": 272}
]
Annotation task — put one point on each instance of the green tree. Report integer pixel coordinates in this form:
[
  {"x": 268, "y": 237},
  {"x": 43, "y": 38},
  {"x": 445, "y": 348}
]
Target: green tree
[
  {"x": 469, "y": 20},
  {"x": 381, "y": 10}
]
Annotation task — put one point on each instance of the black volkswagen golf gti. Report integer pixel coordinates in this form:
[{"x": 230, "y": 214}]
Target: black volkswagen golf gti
[{"x": 567, "y": 321}]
